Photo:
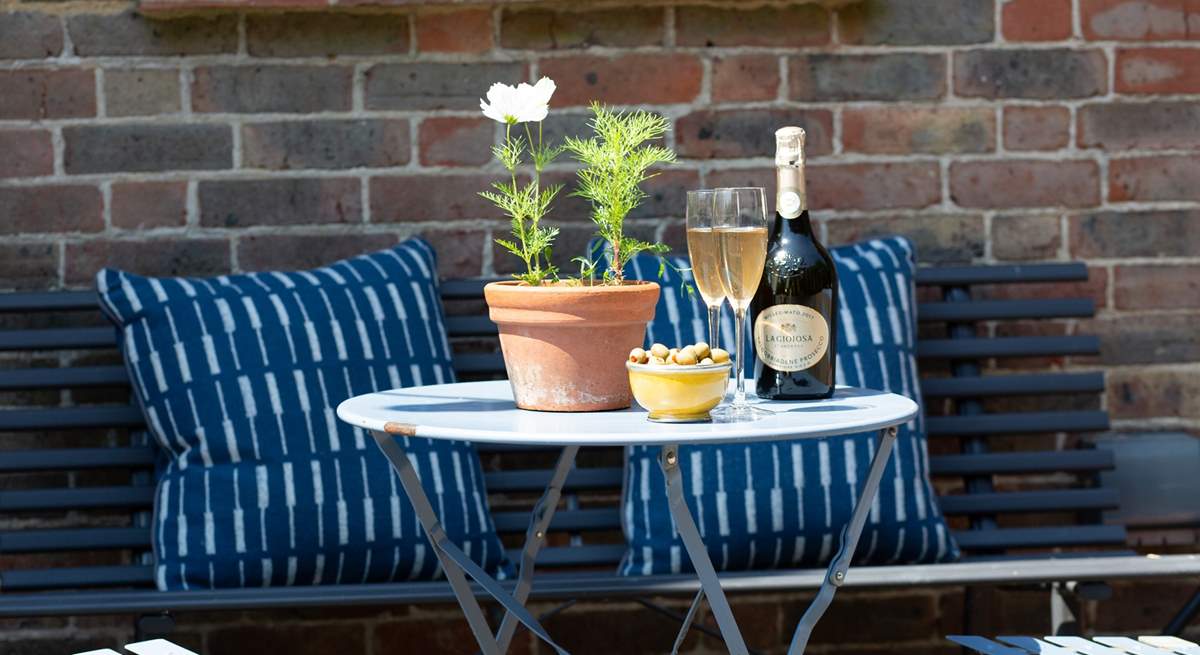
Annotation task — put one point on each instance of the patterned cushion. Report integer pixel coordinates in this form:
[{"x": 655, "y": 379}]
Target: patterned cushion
[
  {"x": 784, "y": 504},
  {"x": 239, "y": 376}
]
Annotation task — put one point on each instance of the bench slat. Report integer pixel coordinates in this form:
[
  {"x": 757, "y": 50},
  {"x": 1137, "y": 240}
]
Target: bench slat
[
  {"x": 537, "y": 479},
  {"x": 562, "y": 556},
  {"x": 988, "y": 310},
  {"x": 77, "y": 577},
  {"x": 1002, "y": 274},
  {"x": 1044, "y": 537},
  {"x": 1029, "y": 501},
  {"x": 568, "y": 520},
  {"x": 55, "y": 378},
  {"x": 44, "y": 301},
  {"x": 76, "y": 498},
  {"x": 1012, "y": 385},
  {"x": 982, "y": 425},
  {"x": 102, "y": 416},
  {"x": 479, "y": 363},
  {"x": 470, "y": 326},
  {"x": 62, "y": 459},
  {"x": 58, "y": 338},
  {"x": 37, "y": 541},
  {"x": 1022, "y": 462},
  {"x": 980, "y": 347}
]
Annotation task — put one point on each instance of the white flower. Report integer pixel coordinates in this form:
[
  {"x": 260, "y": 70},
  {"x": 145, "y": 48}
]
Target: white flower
[{"x": 507, "y": 104}]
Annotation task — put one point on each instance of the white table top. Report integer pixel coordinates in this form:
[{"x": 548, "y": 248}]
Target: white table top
[{"x": 484, "y": 412}]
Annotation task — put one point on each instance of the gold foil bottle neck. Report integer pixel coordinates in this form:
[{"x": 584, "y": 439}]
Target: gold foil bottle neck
[{"x": 789, "y": 146}]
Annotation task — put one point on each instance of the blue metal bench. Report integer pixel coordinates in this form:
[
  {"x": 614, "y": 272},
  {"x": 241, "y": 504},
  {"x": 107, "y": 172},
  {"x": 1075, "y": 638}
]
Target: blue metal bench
[{"x": 81, "y": 465}]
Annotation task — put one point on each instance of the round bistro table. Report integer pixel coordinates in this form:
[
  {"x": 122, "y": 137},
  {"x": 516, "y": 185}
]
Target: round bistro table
[{"x": 484, "y": 412}]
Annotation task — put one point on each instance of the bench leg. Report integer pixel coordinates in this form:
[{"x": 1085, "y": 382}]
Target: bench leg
[
  {"x": 455, "y": 563},
  {"x": 1189, "y": 611}
]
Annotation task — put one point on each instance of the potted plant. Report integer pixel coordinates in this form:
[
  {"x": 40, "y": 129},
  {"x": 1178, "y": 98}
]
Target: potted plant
[{"x": 565, "y": 339}]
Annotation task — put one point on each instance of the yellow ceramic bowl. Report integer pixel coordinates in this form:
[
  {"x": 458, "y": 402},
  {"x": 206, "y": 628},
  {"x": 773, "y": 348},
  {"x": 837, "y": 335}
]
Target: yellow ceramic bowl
[{"x": 678, "y": 394}]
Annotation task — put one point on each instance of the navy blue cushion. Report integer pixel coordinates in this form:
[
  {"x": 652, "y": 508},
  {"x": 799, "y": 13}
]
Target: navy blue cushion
[
  {"x": 239, "y": 377},
  {"x": 784, "y": 504}
]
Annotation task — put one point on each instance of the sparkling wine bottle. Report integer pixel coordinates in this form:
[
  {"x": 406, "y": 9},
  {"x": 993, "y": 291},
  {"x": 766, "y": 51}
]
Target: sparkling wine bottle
[{"x": 795, "y": 308}]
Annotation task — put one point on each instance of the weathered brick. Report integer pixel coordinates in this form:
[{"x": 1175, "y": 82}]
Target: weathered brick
[
  {"x": 1036, "y": 128},
  {"x": 1138, "y": 20},
  {"x": 26, "y": 153},
  {"x": 130, "y": 33},
  {"x": 1158, "y": 70},
  {"x": 1125, "y": 125},
  {"x": 146, "y": 147},
  {"x": 300, "y": 638},
  {"x": 546, "y": 29},
  {"x": 433, "y": 85},
  {"x": 147, "y": 205},
  {"x": 803, "y": 25},
  {"x": 42, "y": 645},
  {"x": 902, "y": 130},
  {"x": 745, "y": 78},
  {"x": 666, "y": 192},
  {"x": 559, "y": 125},
  {"x": 1149, "y": 393},
  {"x": 459, "y": 251},
  {"x": 737, "y": 133},
  {"x": 907, "y": 618},
  {"x": 1036, "y": 20},
  {"x": 452, "y": 141},
  {"x": 1025, "y": 183},
  {"x": 917, "y": 22},
  {"x": 1135, "y": 234},
  {"x": 289, "y": 252},
  {"x": 412, "y": 198},
  {"x": 26, "y": 266},
  {"x": 874, "y": 186},
  {"x": 1139, "y": 339},
  {"x": 1154, "y": 178},
  {"x": 290, "y": 201},
  {"x": 29, "y": 35},
  {"x": 939, "y": 239},
  {"x": 51, "y": 208},
  {"x": 466, "y": 30},
  {"x": 1040, "y": 74},
  {"x": 633, "y": 79},
  {"x": 275, "y": 89},
  {"x": 141, "y": 92},
  {"x": 1026, "y": 237},
  {"x": 890, "y": 77},
  {"x": 327, "y": 144},
  {"x": 37, "y": 94},
  {"x": 167, "y": 257},
  {"x": 326, "y": 34},
  {"x": 1157, "y": 286}
]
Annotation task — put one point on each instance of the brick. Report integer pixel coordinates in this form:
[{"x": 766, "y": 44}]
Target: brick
[
  {"x": 51, "y": 208},
  {"x": 30, "y": 35},
  {"x": 55, "y": 645},
  {"x": 626, "y": 628},
  {"x": 954, "y": 239},
  {"x": 890, "y": 77},
  {"x": 1135, "y": 234},
  {"x": 911, "y": 616},
  {"x": 167, "y": 257},
  {"x": 39, "y": 94},
  {"x": 442, "y": 197},
  {"x": 874, "y": 186},
  {"x": 26, "y": 153},
  {"x": 903, "y": 130},
  {"x": 1154, "y": 178},
  {"x": 1158, "y": 70},
  {"x": 737, "y": 133},
  {"x": 745, "y": 78},
  {"x": 804, "y": 25},
  {"x": 144, "y": 147},
  {"x": 141, "y": 92},
  {"x": 545, "y": 29},
  {"x": 130, "y": 33},
  {"x": 917, "y": 22},
  {"x": 559, "y": 125},
  {"x": 288, "y": 252},
  {"x": 1036, "y": 128},
  {"x": 1036, "y": 20},
  {"x": 634, "y": 79},
  {"x": 1025, "y": 183},
  {"x": 1157, "y": 286},
  {"x": 761, "y": 619},
  {"x": 467, "y": 30},
  {"x": 430, "y": 85},
  {"x": 1152, "y": 125},
  {"x": 1140, "y": 339},
  {"x": 1036, "y": 74},
  {"x": 666, "y": 191},
  {"x": 1026, "y": 237},
  {"x": 147, "y": 205},
  {"x": 1144, "y": 393},
  {"x": 326, "y": 34},
  {"x": 454, "y": 141},
  {"x": 1137, "y": 20},
  {"x": 274, "y": 89},
  {"x": 290, "y": 201},
  {"x": 28, "y": 266},
  {"x": 328, "y": 144},
  {"x": 298, "y": 638},
  {"x": 459, "y": 251}
]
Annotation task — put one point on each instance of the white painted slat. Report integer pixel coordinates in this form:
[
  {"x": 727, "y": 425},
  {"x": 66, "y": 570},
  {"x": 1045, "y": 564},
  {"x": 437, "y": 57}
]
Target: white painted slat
[
  {"x": 1127, "y": 645},
  {"x": 1084, "y": 646},
  {"x": 1172, "y": 644},
  {"x": 1035, "y": 645},
  {"x": 157, "y": 647},
  {"x": 986, "y": 646}
]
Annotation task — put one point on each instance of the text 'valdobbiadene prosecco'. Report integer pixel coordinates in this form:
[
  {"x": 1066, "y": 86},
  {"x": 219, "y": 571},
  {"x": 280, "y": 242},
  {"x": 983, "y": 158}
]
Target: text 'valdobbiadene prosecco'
[{"x": 795, "y": 308}]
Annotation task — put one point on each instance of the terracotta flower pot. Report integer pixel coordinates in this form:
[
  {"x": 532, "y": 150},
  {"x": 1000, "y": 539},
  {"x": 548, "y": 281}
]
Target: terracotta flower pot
[{"x": 565, "y": 346}]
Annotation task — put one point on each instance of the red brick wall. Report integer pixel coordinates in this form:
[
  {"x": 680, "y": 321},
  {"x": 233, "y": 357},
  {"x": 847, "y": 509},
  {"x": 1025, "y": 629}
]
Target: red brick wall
[{"x": 989, "y": 130}]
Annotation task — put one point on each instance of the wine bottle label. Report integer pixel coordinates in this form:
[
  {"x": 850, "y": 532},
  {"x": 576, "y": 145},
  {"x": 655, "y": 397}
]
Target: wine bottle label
[{"x": 790, "y": 337}]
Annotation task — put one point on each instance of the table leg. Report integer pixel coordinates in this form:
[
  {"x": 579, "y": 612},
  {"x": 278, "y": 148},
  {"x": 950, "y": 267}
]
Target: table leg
[
  {"x": 668, "y": 459},
  {"x": 836, "y": 574},
  {"x": 455, "y": 563}
]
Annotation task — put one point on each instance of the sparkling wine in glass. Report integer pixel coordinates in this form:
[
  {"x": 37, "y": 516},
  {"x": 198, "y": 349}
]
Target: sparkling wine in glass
[
  {"x": 740, "y": 223},
  {"x": 705, "y": 254}
]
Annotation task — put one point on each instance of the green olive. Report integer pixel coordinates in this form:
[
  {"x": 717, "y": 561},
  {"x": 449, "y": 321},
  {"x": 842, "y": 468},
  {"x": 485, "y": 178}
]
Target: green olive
[
  {"x": 659, "y": 350},
  {"x": 702, "y": 349},
  {"x": 706, "y": 361},
  {"x": 719, "y": 356},
  {"x": 686, "y": 357},
  {"x": 638, "y": 356},
  {"x": 657, "y": 360}
]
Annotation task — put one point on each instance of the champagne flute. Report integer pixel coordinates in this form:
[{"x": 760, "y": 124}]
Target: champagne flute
[
  {"x": 740, "y": 223},
  {"x": 706, "y": 257}
]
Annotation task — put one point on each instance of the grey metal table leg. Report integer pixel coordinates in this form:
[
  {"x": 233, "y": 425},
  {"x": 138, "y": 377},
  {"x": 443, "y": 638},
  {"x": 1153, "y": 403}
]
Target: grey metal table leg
[
  {"x": 836, "y": 574},
  {"x": 668, "y": 459},
  {"x": 687, "y": 621},
  {"x": 455, "y": 563}
]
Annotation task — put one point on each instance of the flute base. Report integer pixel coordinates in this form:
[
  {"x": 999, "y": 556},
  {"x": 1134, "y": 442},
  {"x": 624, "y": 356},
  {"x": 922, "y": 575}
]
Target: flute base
[{"x": 743, "y": 413}]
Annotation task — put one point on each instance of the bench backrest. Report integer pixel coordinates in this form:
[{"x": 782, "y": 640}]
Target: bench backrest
[{"x": 76, "y": 481}]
